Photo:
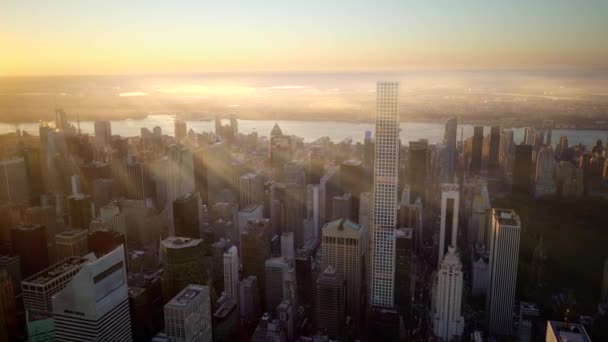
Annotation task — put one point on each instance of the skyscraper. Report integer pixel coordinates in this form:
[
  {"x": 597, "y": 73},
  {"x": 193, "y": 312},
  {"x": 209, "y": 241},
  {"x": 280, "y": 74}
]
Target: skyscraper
[
  {"x": 522, "y": 169},
  {"x": 545, "y": 173},
  {"x": 72, "y": 242},
  {"x": 29, "y": 242},
  {"x": 231, "y": 273},
  {"x": 404, "y": 247},
  {"x": 418, "y": 159},
  {"x": 343, "y": 250},
  {"x": 330, "y": 303},
  {"x": 352, "y": 181},
  {"x": 504, "y": 252},
  {"x": 447, "y": 297},
  {"x": 251, "y": 190},
  {"x": 475, "y": 166},
  {"x": 249, "y": 299},
  {"x": 103, "y": 133},
  {"x": 449, "y": 146},
  {"x": 185, "y": 216},
  {"x": 280, "y": 282},
  {"x": 180, "y": 130},
  {"x": 14, "y": 185},
  {"x": 188, "y": 315},
  {"x": 385, "y": 191},
  {"x": 493, "y": 154},
  {"x": 183, "y": 264},
  {"x": 255, "y": 250},
  {"x": 94, "y": 305},
  {"x": 80, "y": 211},
  {"x": 448, "y": 230}
]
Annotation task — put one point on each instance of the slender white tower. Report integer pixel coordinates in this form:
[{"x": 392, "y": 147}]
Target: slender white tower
[
  {"x": 450, "y": 201},
  {"x": 448, "y": 321},
  {"x": 385, "y": 195}
]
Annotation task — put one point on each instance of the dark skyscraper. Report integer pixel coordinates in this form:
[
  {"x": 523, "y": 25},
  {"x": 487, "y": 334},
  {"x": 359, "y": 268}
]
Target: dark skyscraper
[
  {"x": 522, "y": 169},
  {"x": 476, "y": 152},
  {"x": 494, "y": 148},
  {"x": 330, "y": 303},
  {"x": 29, "y": 242},
  {"x": 418, "y": 168},
  {"x": 80, "y": 211},
  {"x": 403, "y": 268},
  {"x": 185, "y": 216},
  {"x": 351, "y": 181},
  {"x": 449, "y": 146},
  {"x": 255, "y": 249}
]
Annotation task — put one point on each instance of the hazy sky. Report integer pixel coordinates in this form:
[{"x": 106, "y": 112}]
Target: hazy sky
[{"x": 122, "y": 37}]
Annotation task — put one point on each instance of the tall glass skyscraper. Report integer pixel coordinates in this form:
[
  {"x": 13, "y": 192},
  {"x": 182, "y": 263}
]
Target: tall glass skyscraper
[
  {"x": 385, "y": 194},
  {"x": 449, "y": 147}
]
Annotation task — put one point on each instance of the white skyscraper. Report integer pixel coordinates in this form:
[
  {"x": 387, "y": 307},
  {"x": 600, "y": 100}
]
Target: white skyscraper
[
  {"x": 188, "y": 315},
  {"x": 386, "y": 165},
  {"x": 103, "y": 133},
  {"x": 94, "y": 305},
  {"x": 231, "y": 273},
  {"x": 504, "y": 251},
  {"x": 545, "y": 173},
  {"x": 450, "y": 202},
  {"x": 447, "y": 296}
]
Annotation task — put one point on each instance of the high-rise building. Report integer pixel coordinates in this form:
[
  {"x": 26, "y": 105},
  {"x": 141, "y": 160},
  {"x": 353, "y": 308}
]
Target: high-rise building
[
  {"x": 72, "y": 243},
  {"x": 138, "y": 183},
  {"x": 566, "y": 331},
  {"x": 12, "y": 265},
  {"x": 317, "y": 165},
  {"x": 103, "y": 133},
  {"x": 225, "y": 319},
  {"x": 94, "y": 305},
  {"x": 40, "y": 326},
  {"x": 294, "y": 172},
  {"x": 287, "y": 245},
  {"x": 251, "y": 190},
  {"x": 39, "y": 289},
  {"x": 418, "y": 159},
  {"x": 449, "y": 149},
  {"x": 231, "y": 273},
  {"x": 341, "y": 207},
  {"x": 385, "y": 192},
  {"x": 255, "y": 250},
  {"x": 493, "y": 154},
  {"x": 343, "y": 250},
  {"x": 280, "y": 151},
  {"x": 249, "y": 299},
  {"x": 504, "y": 252},
  {"x": 522, "y": 169},
  {"x": 330, "y": 303},
  {"x": 295, "y": 211},
  {"x": 8, "y": 308},
  {"x": 29, "y": 243},
  {"x": 329, "y": 187},
  {"x": 280, "y": 282},
  {"x": 183, "y": 264},
  {"x": 80, "y": 211},
  {"x": 529, "y": 317},
  {"x": 604, "y": 293},
  {"x": 188, "y": 315},
  {"x": 448, "y": 229},
  {"x": 102, "y": 242},
  {"x": 14, "y": 185},
  {"x": 186, "y": 216},
  {"x": 352, "y": 182},
  {"x": 45, "y": 216},
  {"x": 545, "y": 173},
  {"x": 447, "y": 297},
  {"x": 476, "y": 152},
  {"x": 180, "y": 130},
  {"x": 404, "y": 247}
]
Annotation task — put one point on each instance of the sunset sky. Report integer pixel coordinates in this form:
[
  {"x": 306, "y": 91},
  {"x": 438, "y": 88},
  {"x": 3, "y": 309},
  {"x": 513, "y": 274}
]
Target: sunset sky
[{"x": 85, "y": 37}]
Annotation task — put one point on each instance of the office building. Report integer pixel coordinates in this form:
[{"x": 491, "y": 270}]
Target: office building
[
  {"x": 38, "y": 290},
  {"x": 287, "y": 245},
  {"x": 102, "y": 242},
  {"x": 8, "y": 308},
  {"x": 186, "y": 216},
  {"x": 72, "y": 242},
  {"x": 280, "y": 151},
  {"x": 45, "y": 216},
  {"x": 529, "y": 318},
  {"x": 385, "y": 191},
  {"x": 251, "y": 190},
  {"x": 249, "y": 299},
  {"x": 417, "y": 168},
  {"x": 545, "y": 173},
  {"x": 307, "y": 268},
  {"x": 449, "y": 149},
  {"x": 12, "y": 265},
  {"x": 352, "y": 182},
  {"x": 180, "y": 130},
  {"x": 341, "y": 207},
  {"x": 103, "y": 133},
  {"x": 448, "y": 322},
  {"x": 255, "y": 250},
  {"x": 504, "y": 252},
  {"x": 225, "y": 319},
  {"x": 14, "y": 184},
  {"x": 493, "y": 153},
  {"x": 330, "y": 303},
  {"x": 522, "y": 169},
  {"x": 280, "y": 282},
  {"x": 317, "y": 165},
  {"x": 188, "y": 315},
  {"x": 566, "y": 331},
  {"x": 295, "y": 211},
  {"x": 343, "y": 250},
  {"x": 80, "y": 211},
  {"x": 404, "y": 247},
  {"x": 138, "y": 185},
  {"x": 476, "y": 152},
  {"x": 480, "y": 271},
  {"x": 40, "y": 326},
  {"x": 448, "y": 229},
  {"x": 183, "y": 264},
  {"x": 94, "y": 305},
  {"x": 29, "y": 243},
  {"x": 231, "y": 273}
]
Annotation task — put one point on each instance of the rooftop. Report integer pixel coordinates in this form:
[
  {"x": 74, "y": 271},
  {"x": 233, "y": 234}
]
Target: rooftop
[
  {"x": 180, "y": 242},
  {"x": 506, "y": 217},
  {"x": 404, "y": 233},
  {"x": 72, "y": 233},
  {"x": 568, "y": 332},
  {"x": 46, "y": 276},
  {"x": 29, "y": 227},
  {"x": 187, "y": 295}
]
